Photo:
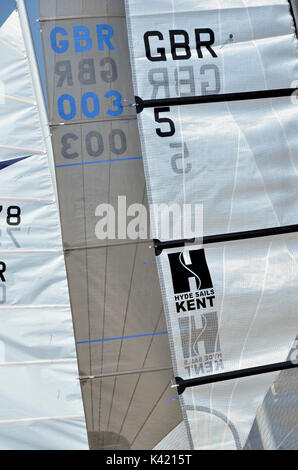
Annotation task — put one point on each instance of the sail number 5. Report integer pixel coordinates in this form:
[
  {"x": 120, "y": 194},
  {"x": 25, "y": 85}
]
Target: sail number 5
[{"x": 161, "y": 132}]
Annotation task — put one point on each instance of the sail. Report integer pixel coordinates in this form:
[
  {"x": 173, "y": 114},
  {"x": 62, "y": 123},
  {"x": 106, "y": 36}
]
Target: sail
[
  {"x": 215, "y": 91},
  {"x": 41, "y": 404},
  {"x": 121, "y": 336}
]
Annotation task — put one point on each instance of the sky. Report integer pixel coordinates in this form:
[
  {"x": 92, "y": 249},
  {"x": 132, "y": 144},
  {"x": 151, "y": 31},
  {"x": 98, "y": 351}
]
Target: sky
[{"x": 6, "y": 7}]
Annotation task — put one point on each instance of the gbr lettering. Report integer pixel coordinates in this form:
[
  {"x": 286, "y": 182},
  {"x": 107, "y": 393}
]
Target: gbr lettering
[{"x": 179, "y": 44}]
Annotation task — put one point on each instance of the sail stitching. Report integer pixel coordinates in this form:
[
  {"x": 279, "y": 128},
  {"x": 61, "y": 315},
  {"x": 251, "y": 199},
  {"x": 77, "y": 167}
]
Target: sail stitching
[
  {"x": 10, "y": 46},
  {"x": 149, "y": 415},
  {"x": 97, "y": 161},
  {"x": 43, "y": 418},
  {"x": 142, "y": 370}
]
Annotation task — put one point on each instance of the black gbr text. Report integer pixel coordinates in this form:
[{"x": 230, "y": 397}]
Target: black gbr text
[{"x": 179, "y": 41}]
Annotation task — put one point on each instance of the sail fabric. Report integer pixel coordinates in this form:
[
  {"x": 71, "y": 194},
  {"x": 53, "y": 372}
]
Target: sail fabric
[
  {"x": 41, "y": 404},
  {"x": 121, "y": 336},
  {"x": 263, "y": 55},
  {"x": 229, "y": 305}
]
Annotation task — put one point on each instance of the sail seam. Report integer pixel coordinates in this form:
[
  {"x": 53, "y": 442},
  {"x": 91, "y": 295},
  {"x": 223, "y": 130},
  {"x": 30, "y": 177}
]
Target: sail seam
[
  {"x": 122, "y": 337},
  {"x": 111, "y": 245},
  {"x": 10, "y": 46},
  {"x": 10, "y": 252},
  {"x": 24, "y": 307},
  {"x": 45, "y": 361},
  {"x": 21, "y": 149},
  {"x": 19, "y": 100},
  {"x": 126, "y": 372},
  {"x": 43, "y": 418},
  {"x": 98, "y": 161},
  {"x": 92, "y": 121},
  {"x": 28, "y": 199},
  {"x": 82, "y": 17}
]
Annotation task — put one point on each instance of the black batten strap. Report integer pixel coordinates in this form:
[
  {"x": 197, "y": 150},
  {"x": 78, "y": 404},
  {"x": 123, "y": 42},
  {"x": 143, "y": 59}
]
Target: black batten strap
[
  {"x": 182, "y": 384},
  {"x": 225, "y": 237},
  {"x": 218, "y": 98}
]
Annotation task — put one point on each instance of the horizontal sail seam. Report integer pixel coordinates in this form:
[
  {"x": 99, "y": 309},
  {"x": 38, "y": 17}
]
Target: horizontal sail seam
[
  {"x": 43, "y": 418},
  {"x": 122, "y": 337},
  {"x": 98, "y": 161},
  {"x": 23, "y": 252},
  {"x": 81, "y": 17},
  {"x": 110, "y": 245},
  {"x": 23, "y": 149},
  {"x": 10, "y": 46},
  {"x": 126, "y": 372},
  {"x": 19, "y": 100},
  {"x": 45, "y": 361},
  {"x": 24, "y": 307},
  {"x": 28, "y": 199},
  {"x": 92, "y": 121}
]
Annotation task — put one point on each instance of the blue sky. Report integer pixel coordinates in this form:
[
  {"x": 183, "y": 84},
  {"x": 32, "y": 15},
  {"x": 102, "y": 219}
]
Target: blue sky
[{"x": 7, "y": 6}]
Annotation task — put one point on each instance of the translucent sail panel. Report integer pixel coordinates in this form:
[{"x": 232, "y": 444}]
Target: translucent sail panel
[
  {"x": 236, "y": 309},
  {"x": 182, "y": 48},
  {"x": 99, "y": 187},
  {"x": 115, "y": 296},
  {"x": 275, "y": 426},
  {"x": 40, "y": 397},
  {"x": 126, "y": 413},
  {"x": 239, "y": 160}
]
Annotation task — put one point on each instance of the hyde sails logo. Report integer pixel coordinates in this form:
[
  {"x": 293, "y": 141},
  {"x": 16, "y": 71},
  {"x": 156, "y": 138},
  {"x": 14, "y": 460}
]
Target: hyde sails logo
[{"x": 195, "y": 306}]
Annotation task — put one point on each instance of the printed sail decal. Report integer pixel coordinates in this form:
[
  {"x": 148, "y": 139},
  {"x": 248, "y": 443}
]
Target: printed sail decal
[
  {"x": 231, "y": 301},
  {"x": 40, "y": 396},
  {"x": 122, "y": 342}
]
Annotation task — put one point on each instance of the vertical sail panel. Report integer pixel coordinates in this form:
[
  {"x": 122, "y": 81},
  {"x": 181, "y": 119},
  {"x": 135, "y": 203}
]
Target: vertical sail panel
[
  {"x": 40, "y": 396},
  {"x": 230, "y": 305},
  {"x": 255, "y": 188},
  {"x": 122, "y": 342}
]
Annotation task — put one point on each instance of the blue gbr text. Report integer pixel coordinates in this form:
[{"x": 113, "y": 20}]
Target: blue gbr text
[
  {"x": 90, "y": 105},
  {"x": 81, "y": 39}
]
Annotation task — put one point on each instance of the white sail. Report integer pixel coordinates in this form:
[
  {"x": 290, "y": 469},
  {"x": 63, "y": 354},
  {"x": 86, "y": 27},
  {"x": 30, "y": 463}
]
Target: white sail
[
  {"x": 230, "y": 303},
  {"x": 41, "y": 404}
]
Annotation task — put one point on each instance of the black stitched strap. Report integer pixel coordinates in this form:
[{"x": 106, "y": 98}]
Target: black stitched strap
[
  {"x": 225, "y": 237},
  {"x": 234, "y": 374},
  {"x": 184, "y": 100}
]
